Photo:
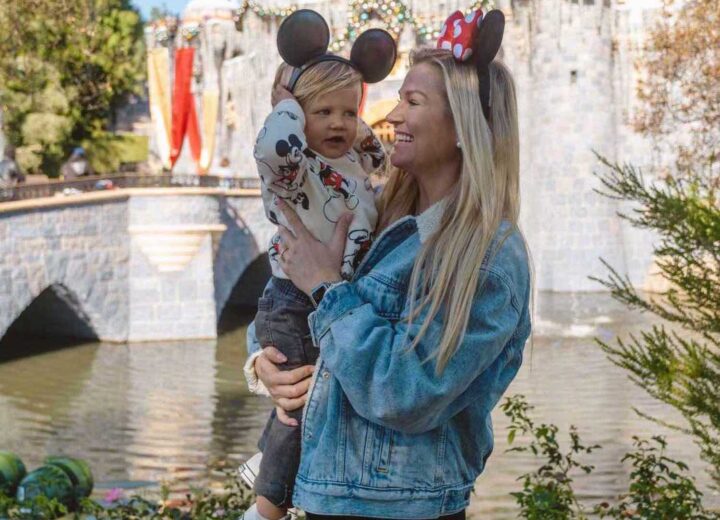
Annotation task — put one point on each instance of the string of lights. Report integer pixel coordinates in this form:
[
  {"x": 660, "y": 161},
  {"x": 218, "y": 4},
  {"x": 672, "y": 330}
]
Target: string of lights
[{"x": 392, "y": 15}]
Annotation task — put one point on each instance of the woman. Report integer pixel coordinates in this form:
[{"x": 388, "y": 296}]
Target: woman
[{"x": 418, "y": 348}]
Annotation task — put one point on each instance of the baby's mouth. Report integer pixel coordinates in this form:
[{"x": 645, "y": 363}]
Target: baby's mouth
[{"x": 337, "y": 139}]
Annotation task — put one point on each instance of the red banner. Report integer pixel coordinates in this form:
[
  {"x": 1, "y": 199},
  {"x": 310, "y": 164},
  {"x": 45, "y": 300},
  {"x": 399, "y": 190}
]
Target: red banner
[{"x": 184, "y": 116}]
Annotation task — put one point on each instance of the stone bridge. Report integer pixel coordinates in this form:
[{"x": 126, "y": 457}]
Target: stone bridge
[{"x": 130, "y": 265}]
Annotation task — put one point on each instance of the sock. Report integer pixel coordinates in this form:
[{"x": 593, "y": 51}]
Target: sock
[{"x": 253, "y": 514}]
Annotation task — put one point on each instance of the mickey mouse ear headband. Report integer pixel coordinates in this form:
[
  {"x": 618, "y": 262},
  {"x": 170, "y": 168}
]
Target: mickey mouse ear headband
[
  {"x": 303, "y": 40},
  {"x": 475, "y": 39}
]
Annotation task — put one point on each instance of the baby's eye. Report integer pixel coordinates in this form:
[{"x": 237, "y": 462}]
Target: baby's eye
[
  {"x": 323, "y": 111},
  {"x": 351, "y": 113}
]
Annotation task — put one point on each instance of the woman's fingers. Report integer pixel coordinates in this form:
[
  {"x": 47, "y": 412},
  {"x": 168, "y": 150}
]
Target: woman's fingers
[
  {"x": 337, "y": 243},
  {"x": 291, "y": 404},
  {"x": 290, "y": 390},
  {"x": 294, "y": 376},
  {"x": 284, "y": 418},
  {"x": 286, "y": 236},
  {"x": 274, "y": 355},
  {"x": 293, "y": 220}
]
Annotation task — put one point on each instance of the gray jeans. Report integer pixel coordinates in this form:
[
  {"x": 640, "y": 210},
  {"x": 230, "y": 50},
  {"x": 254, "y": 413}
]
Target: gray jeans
[{"x": 281, "y": 321}]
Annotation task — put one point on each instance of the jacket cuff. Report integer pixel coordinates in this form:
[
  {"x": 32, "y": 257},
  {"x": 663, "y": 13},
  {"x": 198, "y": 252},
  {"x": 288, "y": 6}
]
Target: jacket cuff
[
  {"x": 254, "y": 384},
  {"x": 340, "y": 300}
]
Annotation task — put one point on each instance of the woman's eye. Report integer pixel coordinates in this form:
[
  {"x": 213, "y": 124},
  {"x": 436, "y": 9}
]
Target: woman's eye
[{"x": 413, "y": 102}]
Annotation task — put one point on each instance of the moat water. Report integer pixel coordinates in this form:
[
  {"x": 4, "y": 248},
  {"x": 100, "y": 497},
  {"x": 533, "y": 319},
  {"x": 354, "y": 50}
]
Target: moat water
[{"x": 153, "y": 413}]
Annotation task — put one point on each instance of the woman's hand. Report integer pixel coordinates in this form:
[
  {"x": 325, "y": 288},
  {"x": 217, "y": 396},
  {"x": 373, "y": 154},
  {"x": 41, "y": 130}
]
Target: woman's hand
[
  {"x": 288, "y": 388},
  {"x": 307, "y": 261}
]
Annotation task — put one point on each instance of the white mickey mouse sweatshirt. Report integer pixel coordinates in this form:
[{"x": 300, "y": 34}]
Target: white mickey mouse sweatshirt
[{"x": 319, "y": 189}]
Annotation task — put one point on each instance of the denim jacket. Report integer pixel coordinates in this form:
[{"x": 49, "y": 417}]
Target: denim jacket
[{"x": 383, "y": 435}]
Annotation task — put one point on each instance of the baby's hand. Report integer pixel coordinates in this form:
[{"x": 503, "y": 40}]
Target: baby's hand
[{"x": 279, "y": 93}]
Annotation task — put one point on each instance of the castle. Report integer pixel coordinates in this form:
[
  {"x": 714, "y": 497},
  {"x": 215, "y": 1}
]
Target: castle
[{"x": 573, "y": 61}]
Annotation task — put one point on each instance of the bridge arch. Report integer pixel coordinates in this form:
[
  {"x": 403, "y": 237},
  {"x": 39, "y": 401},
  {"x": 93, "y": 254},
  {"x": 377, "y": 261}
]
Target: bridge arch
[{"x": 55, "y": 312}]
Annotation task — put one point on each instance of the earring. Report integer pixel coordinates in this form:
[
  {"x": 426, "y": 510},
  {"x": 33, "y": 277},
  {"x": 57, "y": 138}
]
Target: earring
[{"x": 458, "y": 144}]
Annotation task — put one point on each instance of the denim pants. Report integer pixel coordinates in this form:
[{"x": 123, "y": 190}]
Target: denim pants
[{"x": 281, "y": 321}]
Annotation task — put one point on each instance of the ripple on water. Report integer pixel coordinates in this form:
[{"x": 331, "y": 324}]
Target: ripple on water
[{"x": 166, "y": 412}]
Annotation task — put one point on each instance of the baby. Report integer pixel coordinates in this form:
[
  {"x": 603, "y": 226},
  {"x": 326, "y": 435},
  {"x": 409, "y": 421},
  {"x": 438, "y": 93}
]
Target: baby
[{"x": 315, "y": 153}]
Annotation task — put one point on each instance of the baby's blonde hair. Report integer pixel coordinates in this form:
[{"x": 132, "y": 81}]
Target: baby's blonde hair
[{"x": 320, "y": 79}]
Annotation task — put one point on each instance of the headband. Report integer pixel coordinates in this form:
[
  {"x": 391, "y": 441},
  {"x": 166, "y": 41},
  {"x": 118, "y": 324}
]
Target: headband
[
  {"x": 475, "y": 39},
  {"x": 303, "y": 39}
]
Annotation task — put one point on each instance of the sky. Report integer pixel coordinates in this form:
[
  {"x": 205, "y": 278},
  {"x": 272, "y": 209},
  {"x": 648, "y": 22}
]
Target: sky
[{"x": 175, "y": 6}]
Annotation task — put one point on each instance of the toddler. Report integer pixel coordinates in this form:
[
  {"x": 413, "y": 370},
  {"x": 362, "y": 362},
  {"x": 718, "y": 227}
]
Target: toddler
[{"x": 315, "y": 153}]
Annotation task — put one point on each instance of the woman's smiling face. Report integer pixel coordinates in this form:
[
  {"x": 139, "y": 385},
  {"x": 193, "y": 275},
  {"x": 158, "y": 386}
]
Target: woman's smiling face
[{"x": 424, "y": 129}]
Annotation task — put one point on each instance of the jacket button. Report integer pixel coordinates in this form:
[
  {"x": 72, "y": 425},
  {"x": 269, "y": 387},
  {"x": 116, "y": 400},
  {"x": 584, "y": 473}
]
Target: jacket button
[{"x": 326, "y": 375}]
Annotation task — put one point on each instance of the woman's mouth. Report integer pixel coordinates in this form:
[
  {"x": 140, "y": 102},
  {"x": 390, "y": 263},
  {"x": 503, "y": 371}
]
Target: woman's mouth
[{"x": 402, "y": 137}]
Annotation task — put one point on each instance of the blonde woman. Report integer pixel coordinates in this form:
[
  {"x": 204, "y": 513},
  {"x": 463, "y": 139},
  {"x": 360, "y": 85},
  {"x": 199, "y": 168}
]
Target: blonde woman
[{"x": 417, "y": 349}]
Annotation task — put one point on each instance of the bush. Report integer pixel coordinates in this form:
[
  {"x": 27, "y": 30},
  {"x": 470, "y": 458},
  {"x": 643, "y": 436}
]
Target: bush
[{"x": 659, "y": 488}]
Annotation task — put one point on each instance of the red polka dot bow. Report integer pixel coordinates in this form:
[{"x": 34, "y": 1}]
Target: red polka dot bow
[{"x": 458, "y": 34}]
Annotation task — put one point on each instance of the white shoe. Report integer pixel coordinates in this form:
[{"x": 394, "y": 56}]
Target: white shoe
[
  {"x": 248, "y": 470},
  {"x": 252, "y": 514}
]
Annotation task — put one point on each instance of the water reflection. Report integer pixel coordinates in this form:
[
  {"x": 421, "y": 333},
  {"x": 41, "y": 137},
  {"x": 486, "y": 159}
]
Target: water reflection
[{"x": 166, "y": 412}]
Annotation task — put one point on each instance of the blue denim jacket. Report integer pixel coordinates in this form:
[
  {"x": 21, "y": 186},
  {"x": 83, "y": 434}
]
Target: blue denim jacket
[{"x": 383, "y": 435}]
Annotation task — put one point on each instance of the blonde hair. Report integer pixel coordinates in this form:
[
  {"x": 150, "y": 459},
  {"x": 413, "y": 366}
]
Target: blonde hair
[
  {"x": 446, "y": 272},
  {"x": 320, "y": 79}
]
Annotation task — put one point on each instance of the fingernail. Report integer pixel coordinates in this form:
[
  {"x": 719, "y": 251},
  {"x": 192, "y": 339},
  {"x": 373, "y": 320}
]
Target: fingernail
[{"x": 282, "y": 358}]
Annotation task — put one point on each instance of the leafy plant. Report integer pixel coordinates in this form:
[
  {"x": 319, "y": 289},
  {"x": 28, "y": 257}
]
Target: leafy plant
[
  {"x": 659, "y": 488},
  {"x": 547, "y": 492},
  {"x": 200, "y": 504}
]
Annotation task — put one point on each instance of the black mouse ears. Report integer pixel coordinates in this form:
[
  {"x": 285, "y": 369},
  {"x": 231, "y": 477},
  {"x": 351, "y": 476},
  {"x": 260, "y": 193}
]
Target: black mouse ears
[
  {"x": 304, "y": 37},
  {"x": 489, "y": 38}
]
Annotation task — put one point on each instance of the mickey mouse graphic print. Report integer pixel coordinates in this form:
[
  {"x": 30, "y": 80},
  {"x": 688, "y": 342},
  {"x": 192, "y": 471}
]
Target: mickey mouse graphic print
[{"x": 319, "y": 189}]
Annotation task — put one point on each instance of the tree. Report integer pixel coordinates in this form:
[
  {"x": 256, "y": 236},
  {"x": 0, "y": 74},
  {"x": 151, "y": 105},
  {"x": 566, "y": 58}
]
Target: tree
[
  {"x": 680, "y": 89},
  {"x": 678, "y": 362},
  {"x": 65, "y": 68}
]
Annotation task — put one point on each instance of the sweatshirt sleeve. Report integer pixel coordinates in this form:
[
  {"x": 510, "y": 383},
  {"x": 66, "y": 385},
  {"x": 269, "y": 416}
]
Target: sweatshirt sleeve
[
  {"x": 280, "y": 149},
  {"x": 398, "y": 388},
  {"x": 369, "y": 148}
]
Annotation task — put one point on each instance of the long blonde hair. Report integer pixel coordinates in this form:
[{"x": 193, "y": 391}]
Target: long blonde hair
[
  {"x": 320, "y": 79},
  {"x": 446, "y": 274}
]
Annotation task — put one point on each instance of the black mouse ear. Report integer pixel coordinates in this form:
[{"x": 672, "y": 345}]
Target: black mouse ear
[
  {"x": 374, "y": 54},
  {"x": 489, "y": 38},
  {"x": 302, "y": 36}
]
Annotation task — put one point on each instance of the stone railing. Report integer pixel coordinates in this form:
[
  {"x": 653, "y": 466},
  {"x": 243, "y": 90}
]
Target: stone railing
[{"x": 107, "y": 182}]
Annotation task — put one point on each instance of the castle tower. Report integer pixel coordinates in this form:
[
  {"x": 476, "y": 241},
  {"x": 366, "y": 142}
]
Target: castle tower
[{"x": 563, "y": 58}]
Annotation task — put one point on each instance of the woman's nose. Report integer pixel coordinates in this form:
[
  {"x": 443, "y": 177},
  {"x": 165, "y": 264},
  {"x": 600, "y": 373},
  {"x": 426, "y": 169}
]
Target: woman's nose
[{"x": 395, "y": 116}]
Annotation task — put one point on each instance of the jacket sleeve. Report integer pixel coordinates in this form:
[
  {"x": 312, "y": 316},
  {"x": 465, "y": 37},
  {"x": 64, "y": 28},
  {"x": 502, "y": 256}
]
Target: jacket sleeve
[
  {"x": 280, "y": 149},
  {"x": 388, "y": 384}
]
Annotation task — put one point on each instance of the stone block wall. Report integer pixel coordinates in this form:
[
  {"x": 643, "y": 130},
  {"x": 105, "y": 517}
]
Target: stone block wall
[
  {"x": 140, "y": 266},
  {"x": 78, "y": 249}
]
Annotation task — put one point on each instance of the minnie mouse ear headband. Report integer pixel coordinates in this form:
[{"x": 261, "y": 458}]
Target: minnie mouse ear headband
[
  {"x": 303, "y": 40},
  {"x": 475, "y": 39}
]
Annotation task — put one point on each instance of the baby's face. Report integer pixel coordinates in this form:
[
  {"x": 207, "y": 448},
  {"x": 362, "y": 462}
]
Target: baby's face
[{"x": 331, "y": 122}]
